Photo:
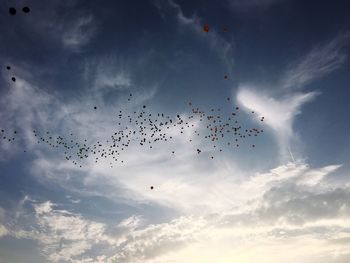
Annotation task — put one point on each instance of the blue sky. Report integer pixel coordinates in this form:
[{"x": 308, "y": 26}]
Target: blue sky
[{"x": 285, "y": 200}]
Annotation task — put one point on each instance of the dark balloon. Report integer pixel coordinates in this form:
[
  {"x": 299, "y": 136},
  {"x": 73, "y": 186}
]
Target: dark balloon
[
  {"x": 12, "y": 11},
  {"x": 26, "y": 9}
]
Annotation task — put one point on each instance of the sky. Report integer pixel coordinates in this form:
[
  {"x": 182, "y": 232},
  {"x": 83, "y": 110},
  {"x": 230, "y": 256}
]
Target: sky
[{"x": 281, "y": 196}]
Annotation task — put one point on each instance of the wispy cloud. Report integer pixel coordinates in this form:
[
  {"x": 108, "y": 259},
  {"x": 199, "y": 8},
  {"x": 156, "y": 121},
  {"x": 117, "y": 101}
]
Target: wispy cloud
[
  {"x": 195, "y": 23},
  {"x": 25, "y": 106},
  {"x": 279, "y": 113},
  {"x": 67, "y": 25},
  {"x": 21, "y": 109},
  {"x": 281, "y": 103},
  {"x": 107, "y": 74},
  {"x": 319, "y": 62},
  {"x": 79, "y": 32}
]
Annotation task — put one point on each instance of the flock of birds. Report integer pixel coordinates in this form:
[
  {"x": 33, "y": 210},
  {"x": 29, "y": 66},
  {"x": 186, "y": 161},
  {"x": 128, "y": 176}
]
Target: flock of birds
[{"x": 146, "y": 128}]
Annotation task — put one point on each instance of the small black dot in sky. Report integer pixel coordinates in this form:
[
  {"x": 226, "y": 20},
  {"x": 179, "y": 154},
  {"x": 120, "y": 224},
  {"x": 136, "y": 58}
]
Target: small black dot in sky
[
  {"x": 26, "y": 9},
  {"x": 95, "y": 107},
  {"x": 8, "y": 67},
  {"x": 151, "y": 187},
  {"x": 13, "y": 79},
  {"x": 12, "y": 11}
]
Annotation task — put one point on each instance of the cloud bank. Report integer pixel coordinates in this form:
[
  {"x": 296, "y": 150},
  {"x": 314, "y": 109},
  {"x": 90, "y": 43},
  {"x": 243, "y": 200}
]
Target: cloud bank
[{"x": 286, "y": 210}]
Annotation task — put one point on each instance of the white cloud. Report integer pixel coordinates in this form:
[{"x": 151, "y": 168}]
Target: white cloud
[
  {"x": 26, "y": 107},
  {"x": 315, "y": 176},
  {"x": 273, "y": 215},
  {"x": 319, "y": 62},
  {"x": 119, "y": 80},
  {"x": 156, "y": 240},
  {"x": 79, "y": 32},
  {"x": 278, "y": 113},
  {"x": 61, "y": 235},
  {"x": 281, "y": 103},
  {"x": 67, "y": 24},
  {"x": 250, "y": 235},
  {"x": 108, "y": 74},
  {"x": 194, "y": 23},
  {"x": 3, "y": 231},
  {"x": 43, "y": 208}
]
